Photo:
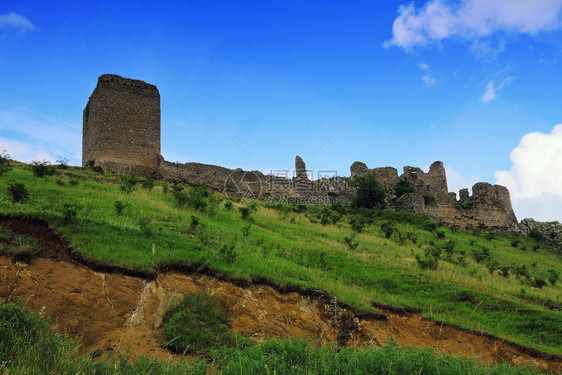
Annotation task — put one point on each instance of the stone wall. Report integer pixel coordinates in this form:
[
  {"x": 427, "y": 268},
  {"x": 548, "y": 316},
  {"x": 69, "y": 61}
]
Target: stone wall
[
  {"x": 489, "y": 207},
  {"x": 122, "y": 134},
  {"x": 121, "y": 126}
]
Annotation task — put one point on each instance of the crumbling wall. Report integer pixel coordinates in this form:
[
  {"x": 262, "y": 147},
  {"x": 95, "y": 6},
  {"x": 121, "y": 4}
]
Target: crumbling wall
[
  {"x": 489, "y": 207},
  {"x": 121, "y": 126}
]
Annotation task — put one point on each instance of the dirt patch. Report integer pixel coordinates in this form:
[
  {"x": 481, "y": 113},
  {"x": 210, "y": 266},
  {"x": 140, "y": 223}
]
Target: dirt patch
[{"x": 111, "y": 311}]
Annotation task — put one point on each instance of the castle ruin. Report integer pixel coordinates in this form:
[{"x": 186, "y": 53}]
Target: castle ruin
[{"x": 121, "y": 133}]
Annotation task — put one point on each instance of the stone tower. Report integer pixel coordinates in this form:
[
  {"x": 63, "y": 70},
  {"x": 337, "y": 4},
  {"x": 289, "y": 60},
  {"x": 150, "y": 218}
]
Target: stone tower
[{"x": 121, "y": 126}]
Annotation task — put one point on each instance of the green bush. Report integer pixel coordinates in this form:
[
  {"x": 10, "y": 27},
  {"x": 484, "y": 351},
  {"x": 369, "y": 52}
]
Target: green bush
[
  {"x": 536, "y": 235},
  {"x": 196, "y": 325},
  {"x": 349, "y": 241},
  {"x": 4, "y": 162},
  {"x": 428, "y": 262},
  {"x": 18, "y": 192},
  {"x": 119, "y": 207},
  {"x": 428, "y": 200},
  {"x": 369, "y": 193},
  {"x": 42, "y": 168},
  {"x": 403, "y": 186},
  {"x": 553, "y": 276},
  {"x": 68, "y": 211},
  {"x": 148, "y": 183},
  {"x": 387, "y": 229},
  {"x": 229, "y": 253},
  {"x": 228, "y": 205},
  {"x": 245, "y": 213}
]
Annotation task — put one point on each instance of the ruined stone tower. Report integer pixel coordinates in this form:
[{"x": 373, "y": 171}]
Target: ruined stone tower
[{"x": 121, "y": 126}]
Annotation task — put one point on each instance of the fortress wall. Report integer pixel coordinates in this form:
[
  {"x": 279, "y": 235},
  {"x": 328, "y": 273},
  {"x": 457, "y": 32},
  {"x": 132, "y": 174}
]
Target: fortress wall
[{"x": 121, "y": 126}]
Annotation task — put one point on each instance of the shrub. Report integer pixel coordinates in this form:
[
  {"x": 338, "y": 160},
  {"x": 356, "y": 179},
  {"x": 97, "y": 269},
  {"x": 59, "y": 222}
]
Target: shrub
[
  {"x": 229, "y": 253},
  {"x": 73, "y": 182},
  {"x": 180, "y": 197},
  {"x": 62, "y": 163},
  {"x": 504, "y": 271},
  {"x": 246, "y": 230},
  {"x": 119, "y": 207},
  {"x": 228, "y": 205},
  {"x": 515, "y": 243},
  {"x": 536, "y": 235},
  {"x": 538, "y": 282},
  {"x": 144, "y": 224},
  {"x": 165, "y": 188},
  {"x": 440, "y": 234},
  {"x": 492, "y": 264},
  {"x": 357, "y": 223},
  {"x": 369, "y": 193},
  {"x": 196, "y": 325},
  {"x": 553, "y": 276},
  {"x": 428, "y": 200},
  {"x": 403, "y": 186},
  {"x": 521, "y": 271},
  {"x": 194, "y": 223},
  {"x": 387, "y": 229},
  {"x": 349, "y": 241},
  {"x": 427, "y": 262},
  {"x": 68, "y": 211},
  {"x": 18, "y": 192},
  {"x": 481, "y": 254},
  {"x": 489, "y": 236},
  {"x": 4, "y": 162},
  {"x": 42, "y": 168},
  {"x": 429, "y": 226},
  {"x": 245, "y": 213},
  {"x": 148, "y": 183}
]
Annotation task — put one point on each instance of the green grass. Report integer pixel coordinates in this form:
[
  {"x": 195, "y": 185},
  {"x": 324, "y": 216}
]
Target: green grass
[
  {"x": 27, "y": 347},
  {"x": 288, "y": 248}
]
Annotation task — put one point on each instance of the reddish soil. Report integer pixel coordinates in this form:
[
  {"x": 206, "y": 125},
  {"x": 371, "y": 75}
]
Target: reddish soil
[{"x": 111, "y": 310}]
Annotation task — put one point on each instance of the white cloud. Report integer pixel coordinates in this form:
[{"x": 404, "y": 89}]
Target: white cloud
[
  {"x": 535, "y": 178},
  {"x": 429, "y": 81},
  {"x": 36, "y": 137},
  {"x": 471, "y": 19},
  {"x": 423, "y": 66},
  {"x": 455, "y": 181},
  {"x": 16, "y": 21},
  {"x": 491, "y": 89}
]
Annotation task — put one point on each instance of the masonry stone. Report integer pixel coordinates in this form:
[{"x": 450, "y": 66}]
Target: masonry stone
[
  {"x": 121, "y": 133},
  {"x": 121, "y": 126}
]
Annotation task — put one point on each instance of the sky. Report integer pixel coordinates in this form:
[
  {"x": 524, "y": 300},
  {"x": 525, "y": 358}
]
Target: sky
[{"x": 476, "y": 84}]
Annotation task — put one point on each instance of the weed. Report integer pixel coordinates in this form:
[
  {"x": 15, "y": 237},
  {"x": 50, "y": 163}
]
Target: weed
[
  {"x": 229, "y": 253},
  {"x": 246, "y": 230},
  {"x": 119, "y": 207},
  {"x": 68, "y": 211},
  {"x": 553, "y": 276},
  {"x": 349, "y": 241}
]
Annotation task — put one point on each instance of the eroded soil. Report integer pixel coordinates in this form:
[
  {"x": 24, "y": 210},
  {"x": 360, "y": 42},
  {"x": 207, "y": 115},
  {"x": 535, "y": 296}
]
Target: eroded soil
[{"x": 110, "y": 310}]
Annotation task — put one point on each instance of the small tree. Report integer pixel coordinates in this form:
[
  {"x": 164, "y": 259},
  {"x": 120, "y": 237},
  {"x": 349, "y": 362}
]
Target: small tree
[
  {"x": 369, "y": 193},
  {"x": 18, "y": 192},
  {"x": 403, "y": 186},
  {"x": 4, "y": 162}
]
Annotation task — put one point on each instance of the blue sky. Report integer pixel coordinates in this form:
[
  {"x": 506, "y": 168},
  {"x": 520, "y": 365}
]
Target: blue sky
[{"x": 476, "y": 84}]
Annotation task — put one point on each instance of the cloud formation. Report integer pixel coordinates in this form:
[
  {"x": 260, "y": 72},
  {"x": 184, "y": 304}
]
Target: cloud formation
[
  {"x": 535, "y": 178},
  {"x": 28, "y": 136},
  {"x": 16, "y": 21},
  {"x": 492, "y": 90},
  {"x": 471, "y": 19},
  {"x": 429, "y": 81}
]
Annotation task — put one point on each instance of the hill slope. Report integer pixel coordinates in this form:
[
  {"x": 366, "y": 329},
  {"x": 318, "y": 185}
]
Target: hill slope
[{"x": 483, "y": 282}]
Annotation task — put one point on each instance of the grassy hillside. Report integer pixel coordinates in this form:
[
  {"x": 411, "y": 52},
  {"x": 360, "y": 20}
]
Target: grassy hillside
[{"x": 485, "y": 282}]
